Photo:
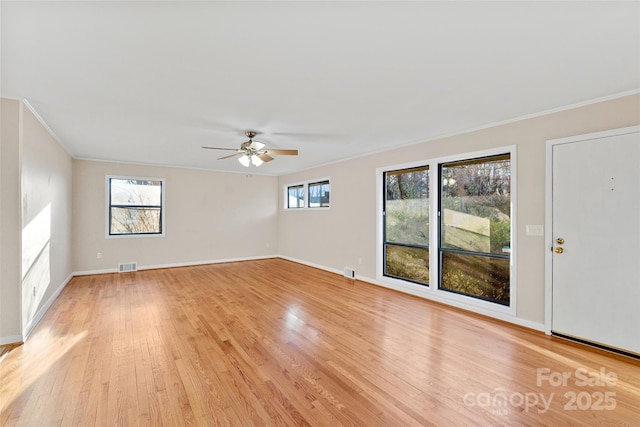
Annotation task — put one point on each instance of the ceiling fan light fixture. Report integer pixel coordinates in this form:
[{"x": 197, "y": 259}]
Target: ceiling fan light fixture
[
  {"x": 244, "y": 160},
  {"x": 257, "y": 161}
]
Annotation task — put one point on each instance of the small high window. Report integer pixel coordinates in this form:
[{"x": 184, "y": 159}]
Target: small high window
[
  {"x": 319, "y": 194},
  {"x": 295, "y": 196},
  {"x": 309, "y": 194}
]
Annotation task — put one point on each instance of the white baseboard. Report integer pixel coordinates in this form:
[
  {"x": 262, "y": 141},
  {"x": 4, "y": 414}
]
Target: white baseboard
[
  {"x": 43, "y": 310},
  {"x": 11, "y": 339},
  {"x": 92, "y": 272},
  {"x": 408, "y": 290},
  {"x": 311, "y": 264},
  {"x": 213, "y": 261},
  {"x": 177, "y": 264}
]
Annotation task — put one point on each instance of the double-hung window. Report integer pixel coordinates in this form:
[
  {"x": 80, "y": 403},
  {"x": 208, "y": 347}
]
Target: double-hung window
[{"x": 135, "y": 206}]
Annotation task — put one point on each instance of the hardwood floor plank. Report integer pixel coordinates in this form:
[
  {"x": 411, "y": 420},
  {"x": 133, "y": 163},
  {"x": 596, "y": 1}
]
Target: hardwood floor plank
[{"x": 274, "y": 343}]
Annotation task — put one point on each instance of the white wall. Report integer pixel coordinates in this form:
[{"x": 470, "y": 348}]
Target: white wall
[
  {"x": 35, "y": 220},
  {"x": 46, "y": 218},
  {"x": 10, "y": 328},
  {"x": 210, "y": 216},
  {"x": 346, "y": 233}
]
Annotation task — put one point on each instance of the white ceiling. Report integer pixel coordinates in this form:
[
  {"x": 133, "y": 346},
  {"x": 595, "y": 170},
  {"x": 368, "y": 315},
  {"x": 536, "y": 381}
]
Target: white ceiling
[{"x": 151, "y": 82}]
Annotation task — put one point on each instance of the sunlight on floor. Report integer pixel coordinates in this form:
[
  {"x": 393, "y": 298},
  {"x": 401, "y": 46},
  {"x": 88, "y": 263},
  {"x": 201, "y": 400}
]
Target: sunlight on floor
[{"x": 56, "y": 347}]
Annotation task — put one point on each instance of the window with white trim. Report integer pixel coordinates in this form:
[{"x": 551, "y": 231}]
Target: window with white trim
[
  {"x": 446, "y": 224},
  {"x": 314, "y": 194},
  {"x": 135, "y": 206},
  {"x": 475, "y": 227}
]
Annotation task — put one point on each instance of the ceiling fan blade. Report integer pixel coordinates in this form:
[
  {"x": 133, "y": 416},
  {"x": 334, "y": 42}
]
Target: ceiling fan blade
[
  {"x": 282, "y": 152},
  {"x": 265, "y": 157},
  {"x": 218, "y": 148},
  {"x": 230, "y": 155}
]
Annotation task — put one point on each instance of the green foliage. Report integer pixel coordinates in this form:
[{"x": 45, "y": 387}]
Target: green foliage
[
  {"x": 491, "y": 206},
  {"x": 500, "y": 235},
  {"x": 408, "y": 263},
  {"x": 478, "y": 276},
  {"x": 407, "y": 221}
]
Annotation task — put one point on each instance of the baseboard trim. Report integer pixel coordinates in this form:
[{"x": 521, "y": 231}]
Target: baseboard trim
[
  {"x": 214, "y": 261},
  {"x": 177, "y": 264},
  {"x": 43, "y": 310},
  {"x": 11, "y": 339},
  {"x": 488, "y": 313},
  {"x": 314, "y": 265}
]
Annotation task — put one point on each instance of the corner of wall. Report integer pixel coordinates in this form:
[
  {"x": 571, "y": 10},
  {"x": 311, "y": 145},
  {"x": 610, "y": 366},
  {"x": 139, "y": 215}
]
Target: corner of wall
[{"x": 10, "y": 222}]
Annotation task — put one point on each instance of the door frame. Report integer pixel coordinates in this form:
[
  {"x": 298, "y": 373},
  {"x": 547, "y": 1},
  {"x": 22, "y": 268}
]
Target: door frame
[{"x": 548, "y": 216}]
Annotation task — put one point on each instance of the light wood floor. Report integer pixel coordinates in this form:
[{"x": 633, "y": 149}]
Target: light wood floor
[{"x": 274, "y": 343}]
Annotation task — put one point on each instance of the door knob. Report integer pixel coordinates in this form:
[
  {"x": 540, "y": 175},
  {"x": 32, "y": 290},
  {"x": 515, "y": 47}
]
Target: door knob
[
  {"x": 558, "y": 250},
  {"x": 560, "y": 241}
]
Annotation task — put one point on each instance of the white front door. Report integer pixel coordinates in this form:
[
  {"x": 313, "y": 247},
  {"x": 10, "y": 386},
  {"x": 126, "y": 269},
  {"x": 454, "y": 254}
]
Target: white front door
[{"x": 595, "y": 236}]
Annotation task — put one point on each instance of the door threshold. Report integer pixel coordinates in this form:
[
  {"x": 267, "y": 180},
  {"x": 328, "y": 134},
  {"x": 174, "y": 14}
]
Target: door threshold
[{"x": 597, "y": 345}]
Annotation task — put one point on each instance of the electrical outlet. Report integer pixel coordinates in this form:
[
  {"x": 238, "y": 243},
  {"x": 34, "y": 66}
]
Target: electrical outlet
[{"x": 99, "y": 255}]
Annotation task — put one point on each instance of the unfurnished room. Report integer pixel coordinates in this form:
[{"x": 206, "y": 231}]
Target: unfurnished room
[{"x": 319, "y": 213}]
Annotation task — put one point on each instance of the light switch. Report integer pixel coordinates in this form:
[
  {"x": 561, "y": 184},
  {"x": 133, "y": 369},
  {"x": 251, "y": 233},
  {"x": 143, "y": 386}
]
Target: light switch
[{"x": 535, "y": 230}]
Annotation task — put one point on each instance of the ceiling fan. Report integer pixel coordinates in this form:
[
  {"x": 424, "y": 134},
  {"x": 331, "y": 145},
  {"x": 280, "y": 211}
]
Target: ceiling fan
[{"x": 253, "y": 152}]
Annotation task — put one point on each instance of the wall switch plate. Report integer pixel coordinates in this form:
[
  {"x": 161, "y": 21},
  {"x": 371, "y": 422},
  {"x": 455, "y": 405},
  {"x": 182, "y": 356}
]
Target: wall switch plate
[{"x": 535, "y": 230}]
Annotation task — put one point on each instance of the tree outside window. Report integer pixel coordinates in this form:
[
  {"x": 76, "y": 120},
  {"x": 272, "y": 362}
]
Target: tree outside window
[{"x": 135, "y": 206}]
